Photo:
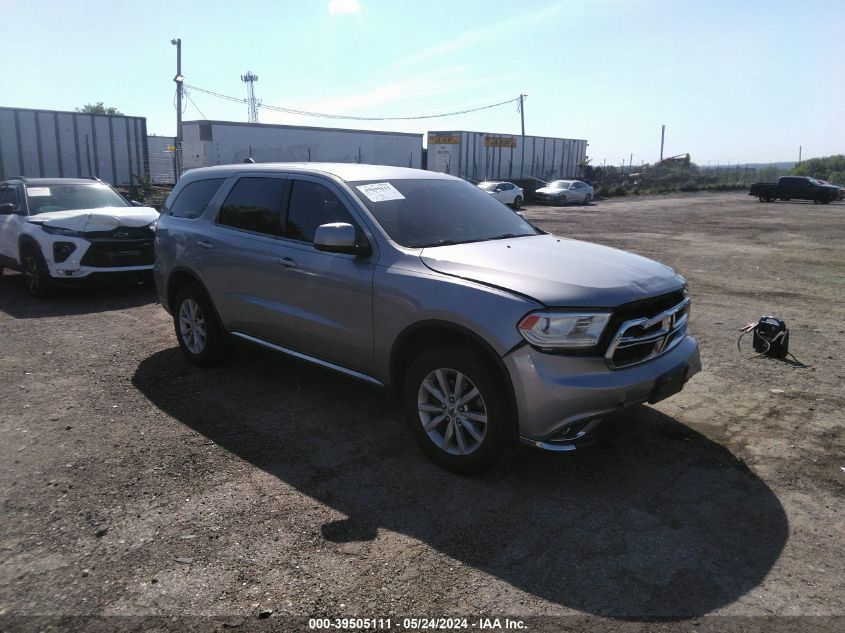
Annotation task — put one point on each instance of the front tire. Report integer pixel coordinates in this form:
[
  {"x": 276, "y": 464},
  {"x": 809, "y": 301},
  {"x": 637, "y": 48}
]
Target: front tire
[
  {"x": 456, "y": 408},
  {"x": 561, "y": 201},
  {"x": 198, "y": 331},
  {"x": 37, "y": 278}
]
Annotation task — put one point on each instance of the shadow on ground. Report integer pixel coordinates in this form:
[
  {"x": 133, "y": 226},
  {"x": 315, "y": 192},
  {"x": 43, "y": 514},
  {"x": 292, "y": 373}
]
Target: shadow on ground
[
  {"x": 655, "y": 521},
  {"x": 16, "y": 302}
]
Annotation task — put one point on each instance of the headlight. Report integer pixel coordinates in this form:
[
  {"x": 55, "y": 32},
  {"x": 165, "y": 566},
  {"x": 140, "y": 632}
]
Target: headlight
[
  {"x": 57, "y": 230},
  {"x": 563, "y": 329}
]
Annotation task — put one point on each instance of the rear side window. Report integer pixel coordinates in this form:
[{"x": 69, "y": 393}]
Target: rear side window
[
  {"x": 254, "y": 204},
  {"x": 194, "y": 198},
  {"x": 313, "y": 204}
]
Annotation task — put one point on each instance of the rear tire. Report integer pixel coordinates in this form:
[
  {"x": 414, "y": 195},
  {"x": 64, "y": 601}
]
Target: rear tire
[
  {"x": 200, "y": 335},
  {"x": 35, "y": 272},
  {"x": 588, "y": 199},
  {"x": 459, "y": 431},
  {"x": 517, "y": 202}
]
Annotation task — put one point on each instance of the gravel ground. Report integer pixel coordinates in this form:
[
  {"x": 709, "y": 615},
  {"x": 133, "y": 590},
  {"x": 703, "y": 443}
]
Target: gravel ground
[{"x": 134, "y": 484}]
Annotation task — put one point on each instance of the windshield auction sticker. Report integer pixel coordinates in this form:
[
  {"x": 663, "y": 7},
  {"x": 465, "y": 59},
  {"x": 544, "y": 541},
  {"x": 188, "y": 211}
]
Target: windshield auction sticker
[
  {"x": 32, "y": 192},
  {"x": 381, "y": 192}
]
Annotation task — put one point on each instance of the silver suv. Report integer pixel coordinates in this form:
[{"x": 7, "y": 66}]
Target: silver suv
[{"x": 488, "y": 328}]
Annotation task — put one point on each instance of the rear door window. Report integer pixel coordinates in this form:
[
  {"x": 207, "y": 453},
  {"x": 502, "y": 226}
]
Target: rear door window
[
  {"x": 313, "y": 204},
  {"x": 255, "y": 204}
]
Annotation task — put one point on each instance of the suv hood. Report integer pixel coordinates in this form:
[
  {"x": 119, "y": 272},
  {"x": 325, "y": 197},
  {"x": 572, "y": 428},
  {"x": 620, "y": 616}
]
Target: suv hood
[
  {"x": 556, "y": 271},
  {"x": 90, "y": 220}
]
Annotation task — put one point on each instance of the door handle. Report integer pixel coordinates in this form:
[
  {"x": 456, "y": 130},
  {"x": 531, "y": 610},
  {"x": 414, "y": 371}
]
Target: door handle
[
  {"x": 287, "y": 262},
  {"x": 205, "y": 244}
]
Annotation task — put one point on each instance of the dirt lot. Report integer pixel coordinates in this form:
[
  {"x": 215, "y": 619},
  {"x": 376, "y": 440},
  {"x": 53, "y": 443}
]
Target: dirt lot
[{"x": 134, "y": 484}]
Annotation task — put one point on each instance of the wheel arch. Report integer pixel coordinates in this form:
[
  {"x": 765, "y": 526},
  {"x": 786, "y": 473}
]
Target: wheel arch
[
  {"x": 27, "y": 241},
  {"x": 419, "y": 336},
  {"x": 178, "y": 279}
]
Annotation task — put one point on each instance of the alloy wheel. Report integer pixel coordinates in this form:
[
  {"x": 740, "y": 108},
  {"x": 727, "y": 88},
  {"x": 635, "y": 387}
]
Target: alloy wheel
[
  {"x": 30, "y": 266},
  {"x": 192, "y": 326},
  {"x": 452, "y": 411}
]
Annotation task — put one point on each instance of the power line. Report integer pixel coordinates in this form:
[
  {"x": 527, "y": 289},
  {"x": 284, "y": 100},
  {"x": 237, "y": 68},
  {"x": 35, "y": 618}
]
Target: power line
[
  {"x": 188, "y": 95},
  {"x": 324, "y": 115}
]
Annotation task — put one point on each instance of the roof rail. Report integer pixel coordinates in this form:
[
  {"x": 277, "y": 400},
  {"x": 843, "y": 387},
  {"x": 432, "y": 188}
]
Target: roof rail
[
  {"x": 15, "y": 178},
  {"x": 93, "y": 178}
]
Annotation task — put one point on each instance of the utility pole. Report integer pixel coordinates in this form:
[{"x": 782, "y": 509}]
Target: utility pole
[
  {"x": 662, "y": 136},
  {"x": 522, "y": 98},
  {"x": 799, "y": 154},
  {"x": 179, "y": 79},
  {"x": 252, "y": 103}
]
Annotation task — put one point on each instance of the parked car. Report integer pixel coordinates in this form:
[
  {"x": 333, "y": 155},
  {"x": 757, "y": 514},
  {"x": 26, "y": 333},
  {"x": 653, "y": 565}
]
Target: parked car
[
  {"x": 73, "y": 231},
  {"x": 505, "y": 192},
  {"x": 565, "y": 191},
  {"x": 488, "y": 328},
  {"x": 797, "y": 187}
]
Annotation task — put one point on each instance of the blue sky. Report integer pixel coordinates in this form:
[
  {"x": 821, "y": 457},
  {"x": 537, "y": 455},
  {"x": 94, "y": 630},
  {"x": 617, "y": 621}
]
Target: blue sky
[{"x": 734, "y": 81}]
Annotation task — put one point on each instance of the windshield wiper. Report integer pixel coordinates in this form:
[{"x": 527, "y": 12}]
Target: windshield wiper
[{"x": 437, "y": 243}]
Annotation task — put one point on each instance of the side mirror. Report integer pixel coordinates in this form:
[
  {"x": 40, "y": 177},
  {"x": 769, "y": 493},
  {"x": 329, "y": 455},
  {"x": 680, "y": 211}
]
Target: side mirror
[
  {"x": 339, "y": 237},
  {"x": 135, "y": 203},
  {"x": 8, "y": 208}
]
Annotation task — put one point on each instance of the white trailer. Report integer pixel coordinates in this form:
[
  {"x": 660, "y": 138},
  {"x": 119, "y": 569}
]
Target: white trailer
[
  {"x": 481, "y": 156},
  {"x": 54, "y": 144},
  {"x": 206, "y": 143}
]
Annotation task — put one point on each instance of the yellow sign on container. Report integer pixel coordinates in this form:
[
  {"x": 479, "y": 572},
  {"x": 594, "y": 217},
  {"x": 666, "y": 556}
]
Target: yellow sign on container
[
  {"x": 499, "y": 141},
  {"x": 434, "y": 139}
]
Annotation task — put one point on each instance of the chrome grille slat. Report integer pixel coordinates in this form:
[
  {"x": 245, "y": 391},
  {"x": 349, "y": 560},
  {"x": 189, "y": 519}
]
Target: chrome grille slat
[{"x": 673, "y": 324}]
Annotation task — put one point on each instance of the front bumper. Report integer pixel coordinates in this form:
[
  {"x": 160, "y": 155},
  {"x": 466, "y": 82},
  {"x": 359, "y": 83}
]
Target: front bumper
[
  {"x": 545, "y": 198},
  {"x": 562, "y": 398}
]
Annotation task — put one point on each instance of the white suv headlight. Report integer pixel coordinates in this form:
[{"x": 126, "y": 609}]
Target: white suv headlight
[{"x": 563, "y": 329}]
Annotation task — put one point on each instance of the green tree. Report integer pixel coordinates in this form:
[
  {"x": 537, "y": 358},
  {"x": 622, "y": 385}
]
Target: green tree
[
  {"x": 98, "y": 108},
  {"x": 825, "y": 168}
]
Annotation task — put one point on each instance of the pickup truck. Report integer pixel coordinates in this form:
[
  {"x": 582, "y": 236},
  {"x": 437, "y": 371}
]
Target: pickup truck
[{"x": 798, "y": 187}]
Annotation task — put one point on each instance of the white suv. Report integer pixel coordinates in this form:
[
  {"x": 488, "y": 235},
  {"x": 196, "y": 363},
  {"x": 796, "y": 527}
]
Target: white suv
[{"x": 72, "y": 230}]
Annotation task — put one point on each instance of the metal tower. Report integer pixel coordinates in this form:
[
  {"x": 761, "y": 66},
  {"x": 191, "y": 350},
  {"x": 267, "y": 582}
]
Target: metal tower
[{"x": 252, "y": 103}]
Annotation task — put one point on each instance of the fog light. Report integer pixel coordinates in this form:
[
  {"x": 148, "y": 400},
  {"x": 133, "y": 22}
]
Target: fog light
[{"x": 62, "y": 250}]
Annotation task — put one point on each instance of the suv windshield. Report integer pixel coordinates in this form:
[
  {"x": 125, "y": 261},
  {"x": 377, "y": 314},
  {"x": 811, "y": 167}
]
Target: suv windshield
[
  {"x": 44, "y": 198},
  {"x": 561, "y": 184},
  {"x": 435, "y": 212}
]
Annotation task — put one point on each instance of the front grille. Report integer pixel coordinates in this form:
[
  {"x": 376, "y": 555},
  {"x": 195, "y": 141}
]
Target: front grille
[
  {"x": 646, "y": 329},
  {"x": 122, "y": 233},
  {"x": 110, "y": 253}
]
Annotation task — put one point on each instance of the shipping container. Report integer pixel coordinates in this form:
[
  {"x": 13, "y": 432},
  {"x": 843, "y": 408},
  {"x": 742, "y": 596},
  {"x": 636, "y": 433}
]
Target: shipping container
[
  {"x": 54, "y": 144},
  {"x": 162, "y": 150},
  {"x": 478, "y": 156},
  {"x": 224, "y": 142}
]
